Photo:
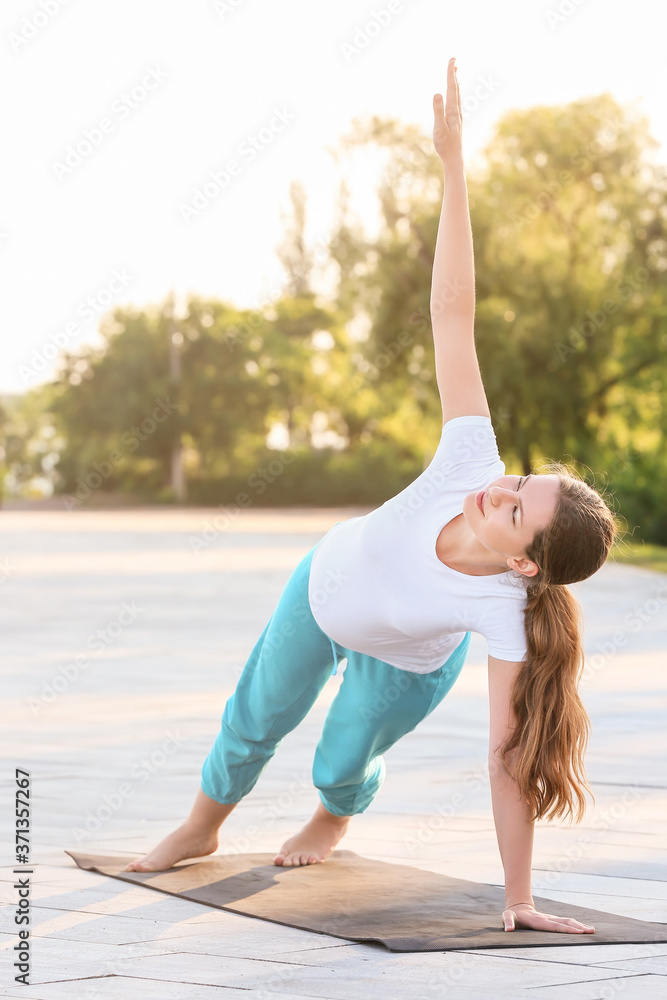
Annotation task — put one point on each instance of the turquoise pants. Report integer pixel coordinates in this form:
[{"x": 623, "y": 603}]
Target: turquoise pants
[{"x": 375, "y": 705}]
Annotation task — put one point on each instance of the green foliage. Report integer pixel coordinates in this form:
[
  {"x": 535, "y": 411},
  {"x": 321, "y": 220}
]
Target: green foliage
[
  {"x": 29, "y": 445},
  {"x": 122, "y": 407},
  {"x": 640, "y": 490},
  {"x": 320, "y": 477},
  {"x": 639, "y": 554}
]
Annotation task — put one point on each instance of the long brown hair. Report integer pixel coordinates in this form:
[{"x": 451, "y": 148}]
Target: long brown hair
[{"x": 545, "y": 752}]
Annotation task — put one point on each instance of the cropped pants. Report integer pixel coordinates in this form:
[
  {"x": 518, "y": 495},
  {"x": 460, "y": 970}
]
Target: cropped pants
[{"x": 291, "y": 662}]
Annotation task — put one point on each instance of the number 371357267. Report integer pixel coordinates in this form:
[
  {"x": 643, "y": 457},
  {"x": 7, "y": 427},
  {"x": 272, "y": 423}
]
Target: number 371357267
[{"x": 22, "y": 814}]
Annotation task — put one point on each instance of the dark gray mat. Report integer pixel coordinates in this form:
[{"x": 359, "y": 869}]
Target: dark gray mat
[{"x": 358, "y": 899}]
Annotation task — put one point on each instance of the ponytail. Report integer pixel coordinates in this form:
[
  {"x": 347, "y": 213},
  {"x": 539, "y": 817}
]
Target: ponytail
[
  {"x": 545, "y": 752},
  {"x": 552, "y": 727}
]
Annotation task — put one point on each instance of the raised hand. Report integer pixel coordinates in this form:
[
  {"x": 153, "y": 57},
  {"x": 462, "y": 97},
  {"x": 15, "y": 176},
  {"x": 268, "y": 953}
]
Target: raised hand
[
  {"x": 448, "y": 119},
  {"x": 526, "y": 915}
]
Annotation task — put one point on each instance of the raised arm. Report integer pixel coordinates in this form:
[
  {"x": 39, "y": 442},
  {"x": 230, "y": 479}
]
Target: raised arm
[{"x": 453, "y": 283}]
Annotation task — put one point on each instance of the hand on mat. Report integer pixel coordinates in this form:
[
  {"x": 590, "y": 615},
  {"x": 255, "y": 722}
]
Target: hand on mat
[
  {"x": 448, "y": 118},
  {"x": 525, "y": 915}
]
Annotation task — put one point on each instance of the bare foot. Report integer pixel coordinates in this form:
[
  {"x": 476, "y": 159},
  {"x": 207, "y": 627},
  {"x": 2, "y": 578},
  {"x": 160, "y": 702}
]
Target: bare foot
[
  {"x": 185, "y": 842},
  {"x": 315, "y": 841}
]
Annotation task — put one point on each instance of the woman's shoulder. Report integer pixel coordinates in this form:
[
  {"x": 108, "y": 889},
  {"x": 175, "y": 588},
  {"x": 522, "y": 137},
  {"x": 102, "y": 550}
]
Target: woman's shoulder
[
  {"x": 503, "y": 598},
  {"x": 502, "y": 623}
]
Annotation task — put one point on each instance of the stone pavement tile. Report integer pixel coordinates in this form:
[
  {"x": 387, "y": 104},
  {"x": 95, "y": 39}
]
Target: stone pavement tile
[
  {"x": 607, "y": 955},
  {"x": 53, "y": 959},
  {"x": 582, "y": 848},
  {"x": 655, "y": 964},
  {"x": 112, "y": 928},
  {"x": 248, "y": 944},
  {"x": 140, "y": 902},
  {"x": 601, "y": 887},
  {"x": 616, "y": 866},
  {"x": 51, "y": 962},
  {"x": 598, "y": 884},
  {"x": 379, "y": 820},
  {"x": 52, "y": 886},
  {"x": 340, "y": 972},
  {"x": 615, "y": 899},
  {"x": 637, "y": 987},
  {"x": 625, "y": 862},
  {"x": 128, "y": 988}
]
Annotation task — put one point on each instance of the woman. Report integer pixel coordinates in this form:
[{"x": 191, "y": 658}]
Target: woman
[{"x": 397, "y": 592}]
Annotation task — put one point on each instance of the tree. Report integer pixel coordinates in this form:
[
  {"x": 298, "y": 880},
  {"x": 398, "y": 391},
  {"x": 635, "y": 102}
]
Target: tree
[
  {"x": 29, "y": 444},
  {"x": 568, "y": 215}
]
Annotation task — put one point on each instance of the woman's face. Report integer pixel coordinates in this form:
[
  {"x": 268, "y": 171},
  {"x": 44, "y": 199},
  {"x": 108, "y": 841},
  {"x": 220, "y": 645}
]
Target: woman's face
[{"x": 506, "y": 515}]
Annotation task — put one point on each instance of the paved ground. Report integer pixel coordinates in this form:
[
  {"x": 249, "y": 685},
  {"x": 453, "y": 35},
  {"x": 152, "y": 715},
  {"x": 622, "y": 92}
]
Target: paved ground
[{"x": 115, "y": 747}]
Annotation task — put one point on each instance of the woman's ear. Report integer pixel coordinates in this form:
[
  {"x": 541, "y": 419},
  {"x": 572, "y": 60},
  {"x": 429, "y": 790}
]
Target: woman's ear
[{"x": 524, "y": 565}]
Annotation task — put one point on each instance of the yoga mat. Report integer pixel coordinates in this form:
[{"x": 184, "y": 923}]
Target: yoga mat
[{"x": 358, "y": 899}]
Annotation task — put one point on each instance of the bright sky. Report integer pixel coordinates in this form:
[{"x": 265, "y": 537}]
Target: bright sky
[{"x": 154, "y": 96}]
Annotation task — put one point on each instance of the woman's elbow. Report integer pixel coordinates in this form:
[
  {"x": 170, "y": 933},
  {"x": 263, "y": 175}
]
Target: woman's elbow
[{"x": 501, "y": 766}]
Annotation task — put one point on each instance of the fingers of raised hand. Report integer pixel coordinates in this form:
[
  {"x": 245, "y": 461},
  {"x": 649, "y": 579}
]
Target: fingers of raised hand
[
  {"x": 453, "y": 102},
  {"x": 452, "y": 105}
]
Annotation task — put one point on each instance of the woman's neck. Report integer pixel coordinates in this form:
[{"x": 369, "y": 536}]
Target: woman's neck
[{"x": 459, "y": 548}]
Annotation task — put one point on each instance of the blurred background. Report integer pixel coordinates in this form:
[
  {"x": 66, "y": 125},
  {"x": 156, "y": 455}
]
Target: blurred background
[{"x": 217, "y": 231}]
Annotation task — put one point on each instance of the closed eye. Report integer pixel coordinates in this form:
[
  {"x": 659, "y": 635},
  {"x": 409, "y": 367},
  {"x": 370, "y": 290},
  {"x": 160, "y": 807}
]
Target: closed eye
[{"x": 514, "y": 509}]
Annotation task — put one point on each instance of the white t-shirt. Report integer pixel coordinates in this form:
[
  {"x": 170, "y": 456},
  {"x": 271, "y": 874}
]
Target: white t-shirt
[{"x": 377, "y": 586}]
